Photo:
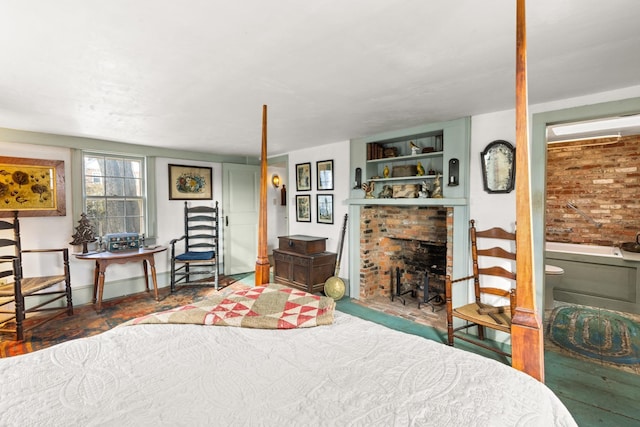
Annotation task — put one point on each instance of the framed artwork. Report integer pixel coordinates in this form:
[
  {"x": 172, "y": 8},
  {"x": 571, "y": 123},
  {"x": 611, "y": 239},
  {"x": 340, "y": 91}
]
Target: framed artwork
[
  {"x": 303, "y": 176},
  {"x": 34, "y": 187},
  {"x": 325, "y": 208},
  {"x": 303, "y": 208},
  {"x": 498, "y": 167},
  {"x": 324, "y": 172},
  {"x": 190, "y": 183}
]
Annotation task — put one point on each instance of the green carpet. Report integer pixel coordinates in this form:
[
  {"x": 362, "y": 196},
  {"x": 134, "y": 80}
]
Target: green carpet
[{"x": 596, "y": 334}]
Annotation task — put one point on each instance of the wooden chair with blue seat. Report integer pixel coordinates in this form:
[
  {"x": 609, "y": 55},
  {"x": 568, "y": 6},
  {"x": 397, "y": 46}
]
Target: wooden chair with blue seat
[
  {"x": 28, "y": 302},
  {"x": 496, "y": 259},
  {"x": 195, "y": 255}
]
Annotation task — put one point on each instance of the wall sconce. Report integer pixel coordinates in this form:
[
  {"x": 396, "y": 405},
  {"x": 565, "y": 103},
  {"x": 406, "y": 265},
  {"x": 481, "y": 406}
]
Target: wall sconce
[{"x": 275, "y": 180}]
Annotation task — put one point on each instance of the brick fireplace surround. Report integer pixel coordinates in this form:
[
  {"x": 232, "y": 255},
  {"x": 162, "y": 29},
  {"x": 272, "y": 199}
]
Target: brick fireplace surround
[{"x": 411, "y": 238}]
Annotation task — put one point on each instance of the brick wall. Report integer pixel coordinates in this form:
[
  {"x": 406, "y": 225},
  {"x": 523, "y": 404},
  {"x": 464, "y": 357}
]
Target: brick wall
[
  {"x": 389, "y": 235},
  {"x": 603, "y": 181}
]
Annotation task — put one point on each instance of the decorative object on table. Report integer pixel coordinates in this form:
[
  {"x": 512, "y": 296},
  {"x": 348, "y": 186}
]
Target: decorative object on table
[
  {"x": 386, "y": 192},
  {"x": 424, "y": 190},
  {"x": 414, "y": 148},
  {"x": 386, "y": 171},
  {"x": 368, "y": 188},
  {"x": 84, "y": 233},
  {"x": 190, "y": 183},
  {"x": 324, "y": 173},
  {"x": 419, "y": 169},
  {"x": 405, "y": 191},
  {"x": 454, "y": 172},
  {"x": 303, "y": 176},
  {"x": 324, "y": 204},
  {"x": 303, "y": 208},
  {"x": 334, "y": 286},
  {"x": 436, "y": 193},
  {"x": 116, "y": 242},
  {"x": 404, "y": 170},
  {"x": 33, "y": 187},
  {"x": 498, "y": 167}
]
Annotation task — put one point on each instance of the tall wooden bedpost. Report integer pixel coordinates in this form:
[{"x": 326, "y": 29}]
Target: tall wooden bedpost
[
  {"x": 527, "y": 345},
  {"x": 262, "y": 263}
]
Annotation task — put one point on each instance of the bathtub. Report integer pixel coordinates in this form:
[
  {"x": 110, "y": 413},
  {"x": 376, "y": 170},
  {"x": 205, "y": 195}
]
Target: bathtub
[
  {"x": 596, "y": 276},
  {"x": 574, "y": 248}
]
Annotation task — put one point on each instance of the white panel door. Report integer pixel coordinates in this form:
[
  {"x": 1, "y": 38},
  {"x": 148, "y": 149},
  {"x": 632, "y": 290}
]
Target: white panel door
[{"x": 240, "y": 208}]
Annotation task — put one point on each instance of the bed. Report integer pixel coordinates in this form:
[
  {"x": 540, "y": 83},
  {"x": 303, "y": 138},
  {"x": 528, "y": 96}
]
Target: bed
[{"x": 347, "y": 372}]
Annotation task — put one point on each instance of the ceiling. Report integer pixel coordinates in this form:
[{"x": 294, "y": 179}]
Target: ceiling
[{"x": 194, "y": 75}]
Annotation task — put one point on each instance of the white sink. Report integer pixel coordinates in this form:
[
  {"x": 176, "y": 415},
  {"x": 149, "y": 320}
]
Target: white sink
[{"x": 630, "y": 251}]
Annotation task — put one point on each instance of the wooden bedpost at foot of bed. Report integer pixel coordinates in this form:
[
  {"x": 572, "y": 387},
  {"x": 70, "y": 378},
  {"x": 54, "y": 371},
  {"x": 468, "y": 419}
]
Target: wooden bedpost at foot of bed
[
  {"x": 527, "y": 345},
  {"x": 262, "y": 263}
]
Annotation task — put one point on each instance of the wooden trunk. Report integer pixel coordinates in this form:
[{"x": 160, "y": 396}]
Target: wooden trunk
[{"x": 302, "y": 262}]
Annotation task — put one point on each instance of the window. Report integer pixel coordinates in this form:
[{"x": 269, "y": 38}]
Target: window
[{"x": 114, "y": 192}]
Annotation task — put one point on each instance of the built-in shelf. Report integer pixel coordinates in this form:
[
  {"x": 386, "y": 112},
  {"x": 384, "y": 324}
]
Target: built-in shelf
[
  {"x": 404, "y": 178},
  {"x": 409, "y": 202},
  {"x": 409, "y": 157}
]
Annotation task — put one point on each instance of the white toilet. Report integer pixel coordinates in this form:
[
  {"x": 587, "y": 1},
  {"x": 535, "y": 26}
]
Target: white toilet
[{"x": 552, "y": 277}]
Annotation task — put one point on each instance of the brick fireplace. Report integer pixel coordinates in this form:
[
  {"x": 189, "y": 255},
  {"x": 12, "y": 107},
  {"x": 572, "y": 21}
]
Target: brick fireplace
[{"x": 409, "y": 239}]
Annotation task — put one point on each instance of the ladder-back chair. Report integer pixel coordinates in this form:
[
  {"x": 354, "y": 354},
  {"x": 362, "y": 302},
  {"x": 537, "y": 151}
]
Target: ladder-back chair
[
  {"x": 195, "y": 255},
  {"x": 497, "y": 262},
  {"x": 41, "y": 292}
]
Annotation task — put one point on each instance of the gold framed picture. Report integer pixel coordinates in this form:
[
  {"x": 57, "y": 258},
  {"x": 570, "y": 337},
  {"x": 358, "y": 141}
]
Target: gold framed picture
[
  {"x": 190, "y": 183},
  {"x": 34, "y": 187}
]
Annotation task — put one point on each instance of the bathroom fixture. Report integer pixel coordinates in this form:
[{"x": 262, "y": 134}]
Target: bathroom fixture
[{"x": 584, "y": 215}]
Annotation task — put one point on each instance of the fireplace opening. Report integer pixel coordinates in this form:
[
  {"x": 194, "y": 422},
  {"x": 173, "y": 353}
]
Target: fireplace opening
[{"x": 415, "y": 241}]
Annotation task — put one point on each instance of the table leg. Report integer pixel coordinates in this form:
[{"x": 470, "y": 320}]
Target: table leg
[
  {"x": 153, "y": 276},
  {"x": 102, "y": 268},
  {"x": 146, "y": 276},
  {"x": 95, "y": 281}
]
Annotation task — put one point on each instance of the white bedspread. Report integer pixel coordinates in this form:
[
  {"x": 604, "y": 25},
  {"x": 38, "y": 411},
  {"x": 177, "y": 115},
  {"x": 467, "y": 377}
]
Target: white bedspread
[{"x": 351, "y": 373}]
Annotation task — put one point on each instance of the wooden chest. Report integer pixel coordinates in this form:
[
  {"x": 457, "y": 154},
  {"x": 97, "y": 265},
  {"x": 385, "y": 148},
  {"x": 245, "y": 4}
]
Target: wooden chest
[
  {"x": 307, "y": 272},
  {"x": 302, "y": 244}
]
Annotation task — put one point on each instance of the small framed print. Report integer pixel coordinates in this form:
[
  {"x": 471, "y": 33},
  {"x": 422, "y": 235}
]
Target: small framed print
[
  {"x": 325, "y": 208},
  {"x": 303, "y": 208},
  {"x": 303, "y": 176},
  {"x": 324, "y": 172}
]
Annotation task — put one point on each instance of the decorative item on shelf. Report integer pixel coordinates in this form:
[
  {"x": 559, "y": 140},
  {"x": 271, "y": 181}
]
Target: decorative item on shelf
[
  {"x": 386, "y": 192},
  {"x": 385, "y": 172},
  {"x": 420, "y": 169},
  {"x": 438, "y": 139},
  {"x": 414, "y": 148},
  {"x": 84, "y": 233},
  {"x": 390, "y": 152},
  {"x": 404, "y": 170},
  {"x": 368, "y": 188},
  {"x": 432, "y": 171},
  {"x": 424, "y": 190},
  {"x": 406, "y": 191},
  {"x": 428, "y": 150},
  {"x": 437, "y": 188}
]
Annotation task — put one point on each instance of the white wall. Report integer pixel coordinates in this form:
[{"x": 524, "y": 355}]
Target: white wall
[
  {"x": 339, "y": 153},
  {"x": 277, "y": 215}
]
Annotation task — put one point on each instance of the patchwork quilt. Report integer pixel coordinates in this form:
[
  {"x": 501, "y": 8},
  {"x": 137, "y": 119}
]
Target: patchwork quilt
[{"x": 263, "y": 307}]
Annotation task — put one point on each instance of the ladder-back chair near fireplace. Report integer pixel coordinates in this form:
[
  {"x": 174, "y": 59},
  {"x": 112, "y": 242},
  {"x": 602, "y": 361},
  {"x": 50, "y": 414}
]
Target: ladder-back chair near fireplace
[
  {"x": 496, "y": 259},
  {"x": 42, "y": 292},
  {"x": 195, "y": 255}
]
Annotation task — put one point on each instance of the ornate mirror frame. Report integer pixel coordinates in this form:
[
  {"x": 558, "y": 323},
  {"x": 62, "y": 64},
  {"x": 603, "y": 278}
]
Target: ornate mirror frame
[{"x": 498, "y": 167}]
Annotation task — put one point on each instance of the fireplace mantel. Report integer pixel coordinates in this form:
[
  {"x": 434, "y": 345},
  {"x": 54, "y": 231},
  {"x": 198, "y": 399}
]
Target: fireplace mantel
[{"x": 409, "y": 202}]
